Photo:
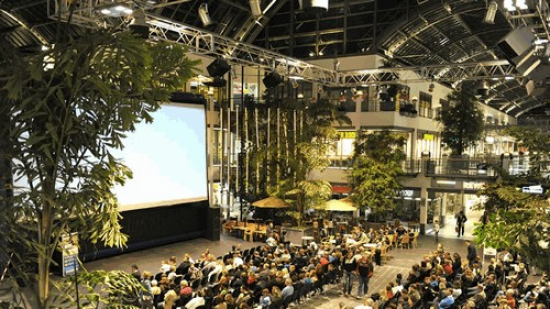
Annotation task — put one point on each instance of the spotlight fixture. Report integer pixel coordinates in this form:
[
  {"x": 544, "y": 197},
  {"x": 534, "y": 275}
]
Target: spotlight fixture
[
  {"x": 256, "y": 8},
  {"x": 483, "y": 90},
  {"x": 315, "y": 6},
  {"x": 294, "y": 83},
  {"x": 139, "y": 25},
  {"x": 431, "y": 87},
  {"x": 204, "y": 16},
  {"x": 491, "y": 12}
]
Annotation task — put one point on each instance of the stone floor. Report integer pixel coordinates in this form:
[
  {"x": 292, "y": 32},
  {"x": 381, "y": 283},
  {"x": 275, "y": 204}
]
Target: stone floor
[{"x": 402, "y": 259}]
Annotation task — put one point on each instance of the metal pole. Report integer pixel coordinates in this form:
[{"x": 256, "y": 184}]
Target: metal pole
[{"x": 75, "y": 261}]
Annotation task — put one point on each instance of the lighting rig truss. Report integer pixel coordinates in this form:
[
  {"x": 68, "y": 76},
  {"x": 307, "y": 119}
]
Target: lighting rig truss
[{"x": 92, "y": 13}]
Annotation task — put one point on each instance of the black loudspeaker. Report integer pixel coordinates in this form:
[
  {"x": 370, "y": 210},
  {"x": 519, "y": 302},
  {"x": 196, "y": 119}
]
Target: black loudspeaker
[
  {"x": 217, "y": 82},
  {"x": 218, "y": 68},
  {"x": 272, "y": 79},
  {"x": 213, "y": 223}
]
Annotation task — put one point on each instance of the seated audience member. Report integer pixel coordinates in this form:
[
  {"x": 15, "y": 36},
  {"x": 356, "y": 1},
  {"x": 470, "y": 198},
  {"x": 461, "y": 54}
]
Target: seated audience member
[
  {"x": 170, "y": 298},
  {"x": 368, "y": 303},
  {"x": 448, "y": 299},
  {"x": 196, "y": 301}
]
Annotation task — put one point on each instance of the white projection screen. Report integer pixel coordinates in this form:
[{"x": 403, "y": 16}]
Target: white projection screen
[{"x": 167, "y": 158}]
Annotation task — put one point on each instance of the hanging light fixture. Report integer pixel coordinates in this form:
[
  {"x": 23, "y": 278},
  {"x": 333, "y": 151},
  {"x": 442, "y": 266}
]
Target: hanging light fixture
[
  {"x": 491, "y": 12},
  {"x": 204, "y": 16},
  {"x": 256, "y": 8},
  {"x": 316, "y": 6}
]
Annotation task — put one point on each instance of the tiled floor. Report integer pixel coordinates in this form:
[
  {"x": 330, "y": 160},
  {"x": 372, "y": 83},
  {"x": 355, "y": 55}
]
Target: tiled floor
[{"x": 400, "y": 263}]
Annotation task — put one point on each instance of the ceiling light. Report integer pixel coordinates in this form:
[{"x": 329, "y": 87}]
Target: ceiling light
[
  {"x": 106, "y": 12},
  {"x": 256, "y": 8},
  {"x": 204, "y": 16},
  {"x": 447, "y": 7},
  {"x": 320, "y": 53},
  {"x": 491, "y": 12},
  {"x": 316, "y": 6}
]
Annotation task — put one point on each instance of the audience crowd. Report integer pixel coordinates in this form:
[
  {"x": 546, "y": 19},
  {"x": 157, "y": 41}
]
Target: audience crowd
[{"x": 278, "y": 275}]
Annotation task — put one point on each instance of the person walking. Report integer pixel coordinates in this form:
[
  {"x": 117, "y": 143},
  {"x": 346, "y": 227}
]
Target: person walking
[
  {"x": 349, "y": 266},
  {"x": 365, "y": 270},
  {"x": 436, "y": 230},
  {"x": 460, "y": 221}
]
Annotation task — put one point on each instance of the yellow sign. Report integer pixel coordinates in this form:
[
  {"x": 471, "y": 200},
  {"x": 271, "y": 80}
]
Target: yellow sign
[
  {"x": 428, "y": 137},
  {"x": 347, "y": 134}
]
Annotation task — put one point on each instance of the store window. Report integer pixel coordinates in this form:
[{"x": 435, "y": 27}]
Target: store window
[{"x": 425, "y": 105}]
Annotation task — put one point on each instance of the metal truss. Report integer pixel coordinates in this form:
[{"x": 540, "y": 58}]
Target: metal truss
[
  {"x": 207, "y": 43},
  {"x": 203, "y": 42},
  {"x": 450, "y": 73}
]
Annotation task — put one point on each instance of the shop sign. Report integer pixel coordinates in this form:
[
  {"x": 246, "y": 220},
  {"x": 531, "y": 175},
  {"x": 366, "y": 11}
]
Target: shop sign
[
  {"x": 447, "y": 183},
  {"x": 532, "y": 189},
  {"x": 473, "y": 185},
  {"x": 428, "y": 137},
  {"x": 347, "y": 134}
]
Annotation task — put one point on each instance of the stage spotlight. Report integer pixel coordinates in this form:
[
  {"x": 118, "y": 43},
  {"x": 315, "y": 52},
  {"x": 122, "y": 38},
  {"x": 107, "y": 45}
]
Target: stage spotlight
[
  {"x": 491, "y": 12},
  {"x": 256, "y": 8},
  {"x": 483, "y": 90},
  {"x": 139, "y": 25},
  {"x": 204, "y": 16}
]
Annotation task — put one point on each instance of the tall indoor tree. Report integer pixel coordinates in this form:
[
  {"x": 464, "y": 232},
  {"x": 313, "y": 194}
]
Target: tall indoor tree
[
  {"x": 515, "y": 219},
  {"x": 376, "y": 166},
  {"x": 462, "y": 122},
  {"x": 68, "y": 107}
]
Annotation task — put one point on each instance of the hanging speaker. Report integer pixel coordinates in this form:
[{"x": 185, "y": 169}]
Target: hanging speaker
[
  {"x": 272, "y": 80},
  {"x": 217, "y": 82},
  {"x": 218, "y": 68}
]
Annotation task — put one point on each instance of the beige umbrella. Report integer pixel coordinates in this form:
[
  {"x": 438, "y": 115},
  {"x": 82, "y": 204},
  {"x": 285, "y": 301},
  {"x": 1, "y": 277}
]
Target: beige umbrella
[
  {"x": 337, "y": 205},
  {"x": 270, "y": 202}
]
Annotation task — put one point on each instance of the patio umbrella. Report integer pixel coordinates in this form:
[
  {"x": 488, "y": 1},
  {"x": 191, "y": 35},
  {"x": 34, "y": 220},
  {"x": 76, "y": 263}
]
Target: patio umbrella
[
  {"x": 270, "y": 202},
  {"x": 337, "y": 205}
]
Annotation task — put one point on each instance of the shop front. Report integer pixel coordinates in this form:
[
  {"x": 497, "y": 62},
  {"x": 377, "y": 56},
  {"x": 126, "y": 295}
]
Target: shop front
[{"x": 448, "y": 197}]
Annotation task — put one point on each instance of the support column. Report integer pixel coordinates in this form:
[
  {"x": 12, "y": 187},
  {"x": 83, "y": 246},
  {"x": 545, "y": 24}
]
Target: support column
[{"x": 423, "y": 209}]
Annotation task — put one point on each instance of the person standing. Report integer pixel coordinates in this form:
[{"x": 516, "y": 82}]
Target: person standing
[
  {"x": 472, "y": 252},
  {"x": 460, "y": 222},
  {"x": 349, "y": 266},
  {"x": 436, "y": 230},
  {"x": 365, "y": 270}
]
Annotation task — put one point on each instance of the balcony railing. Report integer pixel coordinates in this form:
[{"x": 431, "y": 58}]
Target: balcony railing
[{"x": 459, "y": 167}]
